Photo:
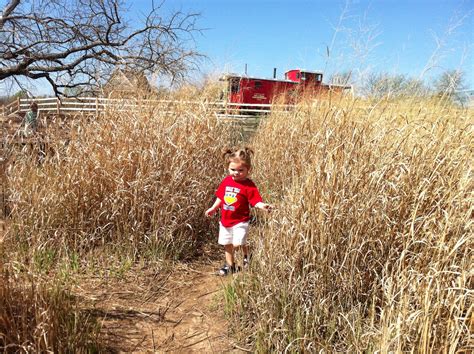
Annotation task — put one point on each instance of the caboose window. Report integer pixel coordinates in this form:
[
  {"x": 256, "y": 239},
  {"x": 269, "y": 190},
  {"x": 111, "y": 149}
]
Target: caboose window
[
  {"x": 258, "y": 84},
  {"x": 234, "y": 86},
  {"x": 319, "y": 77}
]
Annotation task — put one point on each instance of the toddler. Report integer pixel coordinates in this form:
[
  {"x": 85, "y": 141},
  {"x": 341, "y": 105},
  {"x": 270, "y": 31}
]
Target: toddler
[{"x": 234, "y": 195}]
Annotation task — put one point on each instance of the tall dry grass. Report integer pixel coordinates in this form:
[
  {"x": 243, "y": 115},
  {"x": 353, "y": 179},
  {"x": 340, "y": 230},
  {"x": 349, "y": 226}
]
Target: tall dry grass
[
  {"x": 371, "y": 246},
  {"x": 130, "y": 179},
  {"x": 132, "y": 183},
  {"x": 42, "y": 317}
]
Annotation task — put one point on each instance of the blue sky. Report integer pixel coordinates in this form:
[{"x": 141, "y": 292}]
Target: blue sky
[{"x": 419, "y": 38}]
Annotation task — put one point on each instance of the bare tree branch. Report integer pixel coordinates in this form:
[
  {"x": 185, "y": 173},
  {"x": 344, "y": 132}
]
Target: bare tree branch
[
  {"x": 80, "y": 42},
  {"x": 8, "y": 10}
]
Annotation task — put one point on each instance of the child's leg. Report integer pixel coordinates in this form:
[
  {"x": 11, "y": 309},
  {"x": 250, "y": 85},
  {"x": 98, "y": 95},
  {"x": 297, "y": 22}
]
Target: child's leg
[
  {"x": 229, "y": 254},
  {"x": 225, "y": 239},
  {"x": 237, "y": 250},
  {"x": 245, "y": 250},
  {"x": 242, "y": 238}
]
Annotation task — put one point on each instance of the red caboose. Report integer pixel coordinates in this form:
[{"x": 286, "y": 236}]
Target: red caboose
[{"x": 297, "y": 83}]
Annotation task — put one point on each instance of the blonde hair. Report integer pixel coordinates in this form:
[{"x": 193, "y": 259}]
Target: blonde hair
[{"x": 243, "y": 155}]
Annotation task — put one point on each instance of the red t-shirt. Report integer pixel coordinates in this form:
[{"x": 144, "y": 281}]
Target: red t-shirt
[{"x": 236, "y": 197}]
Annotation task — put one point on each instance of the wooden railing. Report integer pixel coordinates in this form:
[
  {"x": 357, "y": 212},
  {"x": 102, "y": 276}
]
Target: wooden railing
[
  {"x": 97, "y": 105},
  {"x": 11, "y": 108}
]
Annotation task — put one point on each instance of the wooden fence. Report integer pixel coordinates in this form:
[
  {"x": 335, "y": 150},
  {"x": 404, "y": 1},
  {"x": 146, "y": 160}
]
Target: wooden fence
[{"x": 97, "y": 105}]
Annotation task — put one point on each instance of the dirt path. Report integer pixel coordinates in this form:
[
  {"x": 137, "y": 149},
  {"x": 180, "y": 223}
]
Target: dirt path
[
  {"x": 180, "y": 312},
  {"x": 157, "y": 310}
]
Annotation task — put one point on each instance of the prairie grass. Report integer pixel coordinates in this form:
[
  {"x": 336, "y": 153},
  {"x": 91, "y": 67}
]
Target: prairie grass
[
  {"x": 371, "y": 245},
  {"x": 130, "y": 185},
  {"x": 369, "y": 249},
  {"x": 39, "y": 316},
  {"x": 132, "y": 179}
]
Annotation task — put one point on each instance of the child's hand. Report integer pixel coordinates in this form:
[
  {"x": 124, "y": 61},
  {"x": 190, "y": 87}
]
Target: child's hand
[
  {"x": 209, "y": 212},
  {"x": 264, "y": 206},
  {"x": 268, "y": 207},
  {"x": 212, "y": 210}
]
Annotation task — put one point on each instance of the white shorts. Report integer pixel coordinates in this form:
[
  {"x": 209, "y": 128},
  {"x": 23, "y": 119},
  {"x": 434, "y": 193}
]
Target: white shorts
[{"x": 235, "y": 235}]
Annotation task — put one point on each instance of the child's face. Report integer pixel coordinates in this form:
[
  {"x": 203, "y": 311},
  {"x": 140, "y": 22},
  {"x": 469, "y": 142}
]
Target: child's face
[{"x": 238, "y": 171}]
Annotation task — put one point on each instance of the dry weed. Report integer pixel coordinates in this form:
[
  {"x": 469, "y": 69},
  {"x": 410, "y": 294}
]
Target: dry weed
[
  {"x": 40, "y": 318},
  {"x": 138, "y": 177},
  {"x": 370, "y": 248}
]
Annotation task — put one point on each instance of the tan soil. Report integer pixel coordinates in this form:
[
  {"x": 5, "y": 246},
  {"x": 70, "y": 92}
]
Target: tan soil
[
  {"x": 180, "y": 312},
  {"x": 177, "y": 311}
]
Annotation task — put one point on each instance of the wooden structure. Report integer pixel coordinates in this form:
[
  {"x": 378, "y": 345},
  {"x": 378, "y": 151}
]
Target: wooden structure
[{"x": 127, "y": 83}]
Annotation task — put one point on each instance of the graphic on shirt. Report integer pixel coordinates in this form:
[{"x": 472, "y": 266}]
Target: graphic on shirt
[{"x": 230, "y": 196}]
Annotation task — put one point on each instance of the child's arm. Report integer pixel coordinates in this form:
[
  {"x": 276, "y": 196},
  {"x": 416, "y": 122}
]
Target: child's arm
[
  {"x": 264, "y": 206},
  {"x": 214, "y": 207}
]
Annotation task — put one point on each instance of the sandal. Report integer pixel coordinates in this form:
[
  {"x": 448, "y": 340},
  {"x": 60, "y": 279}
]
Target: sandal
[
  {"x": 247, "y": 261},
  {"x": 225, "y": 270}
]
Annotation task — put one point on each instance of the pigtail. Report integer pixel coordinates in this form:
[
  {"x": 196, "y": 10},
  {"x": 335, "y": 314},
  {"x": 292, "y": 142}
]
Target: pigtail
[
  {"x": 243, "y": 154},
  {"x": 227, "y": 154},
  {"x": 248, "y": 152}
]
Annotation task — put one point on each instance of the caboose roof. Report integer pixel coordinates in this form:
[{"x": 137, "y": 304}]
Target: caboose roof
[
  {"x": 237, "y": 76},
  {"x": 305, "y": 71}
]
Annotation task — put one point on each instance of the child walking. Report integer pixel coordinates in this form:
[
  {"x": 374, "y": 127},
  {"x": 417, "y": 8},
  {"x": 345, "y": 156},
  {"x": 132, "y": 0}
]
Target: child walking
[
  {"x": 31, "y": 120},
  {"x": 234, "y": 195}
]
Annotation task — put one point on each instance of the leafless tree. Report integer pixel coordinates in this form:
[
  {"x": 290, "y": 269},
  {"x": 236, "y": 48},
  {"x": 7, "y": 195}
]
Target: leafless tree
[
  {"x": 380, "y": 85},
  {"x": 449, "y": 82},
  {"x": 78, "y": 43}
]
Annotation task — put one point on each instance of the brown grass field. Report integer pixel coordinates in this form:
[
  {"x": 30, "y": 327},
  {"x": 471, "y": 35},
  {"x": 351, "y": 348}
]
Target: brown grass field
[{"x": 369, "y": 248}]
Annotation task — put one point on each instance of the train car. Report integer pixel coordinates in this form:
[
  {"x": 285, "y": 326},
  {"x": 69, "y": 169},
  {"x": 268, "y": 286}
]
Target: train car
[{"x": 297, "y": 83}]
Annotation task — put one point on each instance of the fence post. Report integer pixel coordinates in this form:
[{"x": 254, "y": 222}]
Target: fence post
[
  {"x": 97, "y": 106},
  {"x": 58, "y": 105}
]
